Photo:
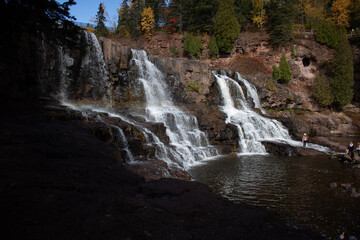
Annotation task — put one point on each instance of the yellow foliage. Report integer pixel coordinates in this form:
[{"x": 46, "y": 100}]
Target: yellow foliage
[
  {"x": 340, "y": 13},
  {"x": 315, "y": 10},
  {"x": 90, "y": 29},
  {"x": 147, "y": 22},
  {"x": 258, "y": 12}
]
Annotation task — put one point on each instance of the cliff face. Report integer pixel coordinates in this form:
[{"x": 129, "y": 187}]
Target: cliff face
[{"x": 194, "y": 89}]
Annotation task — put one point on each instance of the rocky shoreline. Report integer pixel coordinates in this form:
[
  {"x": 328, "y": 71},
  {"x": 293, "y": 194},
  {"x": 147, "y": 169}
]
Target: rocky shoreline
[{"x": 58, "y": 181}]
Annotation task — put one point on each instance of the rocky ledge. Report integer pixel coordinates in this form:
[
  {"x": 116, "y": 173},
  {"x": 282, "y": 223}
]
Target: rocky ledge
[{"x": 58, "y": 181}]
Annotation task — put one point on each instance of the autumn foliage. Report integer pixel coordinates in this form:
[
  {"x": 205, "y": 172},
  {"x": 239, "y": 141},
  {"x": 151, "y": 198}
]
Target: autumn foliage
[
  {"x": 147, "y": 22},
  {"x": 340, "y": 13}
]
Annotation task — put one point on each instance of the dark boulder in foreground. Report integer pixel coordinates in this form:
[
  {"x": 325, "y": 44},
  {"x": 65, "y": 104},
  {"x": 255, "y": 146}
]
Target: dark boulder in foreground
[{"x": 60, "y": 182}]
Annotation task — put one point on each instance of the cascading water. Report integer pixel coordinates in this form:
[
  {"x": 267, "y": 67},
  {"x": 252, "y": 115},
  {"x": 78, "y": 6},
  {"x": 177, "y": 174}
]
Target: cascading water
[
  {"x": 189, "y": 144},
  {"x": 252, "y": 127},
  {"x": 251, "y": 93},
  {"x": 93, "y": 69}
]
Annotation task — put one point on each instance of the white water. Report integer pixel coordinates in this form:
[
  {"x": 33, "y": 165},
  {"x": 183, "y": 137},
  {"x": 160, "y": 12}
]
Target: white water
[
  {"x": 189, "y": 144},
  {"x": 93, "y": 69},
  {"x": 251, "y": 93},
  {"x": 252, "y": 127}
]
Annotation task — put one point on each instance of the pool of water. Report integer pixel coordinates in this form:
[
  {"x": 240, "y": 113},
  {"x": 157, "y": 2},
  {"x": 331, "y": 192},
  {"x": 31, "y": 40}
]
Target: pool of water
[{"x": 294, "y": 188}]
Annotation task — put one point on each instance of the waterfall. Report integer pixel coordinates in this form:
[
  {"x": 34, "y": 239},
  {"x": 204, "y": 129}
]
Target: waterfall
[
  {"x": 252, "y": 127},
  {"x": 188, "y": 143},
  {"x": 251, "y": 93},
  {"x": 93, "y": 69}
]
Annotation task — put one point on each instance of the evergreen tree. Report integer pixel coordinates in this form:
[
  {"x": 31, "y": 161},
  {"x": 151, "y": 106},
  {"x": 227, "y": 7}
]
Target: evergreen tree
[
  {"x": 327, "y": 33},
  {"x": 123, "y": 19},
  {"x": 182, "y": 10},
  {"x": 227, "y": 26},
  {"x": 201, "y": 16},
  {"x": 158, "y": 7},
  {"x": 282, "y": 74},
  {"x": 192, "y": 45},
  {"x": 281, "y": 20},
  {"x": 343, "y": 72},
  {"x": 321, "y": 90},
  {"x": 135, "y": 12},
  {"x": 213, "y": 47},
  {"x": 101, "y": 29},
  {"x": 285, "y": 71},
  {"x": 243, "y": 10}
]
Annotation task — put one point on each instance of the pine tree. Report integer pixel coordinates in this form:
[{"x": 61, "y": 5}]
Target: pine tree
[
  {"x": 282, "y": 74},
  {"x": 182, "y": 10},
  {"x": 227, "y": 26},
  {"x": 123, "y": 19},
  {"x": 158, "y": 7},
  {"x": 213, "y": 47},
  {"x": 134, "y": 22},
  {"x": 147, "y": 22},
  {"x": 321, "y": 90},
  {"x": 201, "y": 16},
  {"x": 101, "y": 29},
  {"x": 285, "y": 71},
  {"x": 343, "y": 72},
  {"x": 281, "y": 21}
]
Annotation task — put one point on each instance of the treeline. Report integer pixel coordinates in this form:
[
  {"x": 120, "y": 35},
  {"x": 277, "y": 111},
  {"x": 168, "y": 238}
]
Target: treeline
[{"x": 225, "y": 18}]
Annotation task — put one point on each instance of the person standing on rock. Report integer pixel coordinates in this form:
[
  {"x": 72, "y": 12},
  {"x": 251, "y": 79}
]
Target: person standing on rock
[{"x": 304, "y": 140}]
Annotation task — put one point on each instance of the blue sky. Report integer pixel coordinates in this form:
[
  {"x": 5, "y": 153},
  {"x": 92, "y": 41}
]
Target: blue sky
[{"x": 84, "y": 10}]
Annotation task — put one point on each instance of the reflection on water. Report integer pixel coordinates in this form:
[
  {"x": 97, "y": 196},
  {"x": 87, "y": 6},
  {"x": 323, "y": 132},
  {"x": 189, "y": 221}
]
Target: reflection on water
[{"x": 295, "y": 188}]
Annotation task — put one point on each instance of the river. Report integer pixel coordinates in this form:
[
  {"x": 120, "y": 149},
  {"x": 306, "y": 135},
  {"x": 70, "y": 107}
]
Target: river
[{"x": 294, "y": 188}]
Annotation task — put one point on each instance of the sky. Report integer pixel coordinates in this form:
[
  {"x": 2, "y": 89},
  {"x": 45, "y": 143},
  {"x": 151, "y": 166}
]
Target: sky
[{"x": 84, "y": 10}]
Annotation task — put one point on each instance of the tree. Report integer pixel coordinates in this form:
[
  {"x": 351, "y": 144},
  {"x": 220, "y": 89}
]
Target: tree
[
  {"x": 281, "y": 21},
  {"x": 327, "y": 33},
  {"x": 259, "y": 12},
  {"x": 315, "y": 11},
  {"x": 243, "y": 10},
  {"x": 213, "y": 47},
  {"x": 123, "y": 19},
  {"x": 192, "y": 45},
  {"x": 282, "y": 74},
  {"x": 101, "y": 29},
  {"x": 158, "y": 7},
  {"x": 227, "y": 26},
  {"x": 135, "y": 11},
  {"x": 147, "y": 22},
  {"x": 340, "y": 13},
  {"x": 343, "y": 72},
  {"x": 182, "y": 10},
  {"x": 201, "y": 17},
  {"x": 321, "y": 90}
]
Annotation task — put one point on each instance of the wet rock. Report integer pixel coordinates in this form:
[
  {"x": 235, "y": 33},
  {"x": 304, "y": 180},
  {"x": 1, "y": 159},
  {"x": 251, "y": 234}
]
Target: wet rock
[
  {"x": 346, "y": 186},
  {"x": 354, "y": 193}
]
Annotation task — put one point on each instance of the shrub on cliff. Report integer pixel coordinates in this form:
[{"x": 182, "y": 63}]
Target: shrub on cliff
[
  {"x": 343, "y": 72},
  {"x": 227, "y": 26},
  {"x": 192, "y": 45},
  {"x": 321, "y": 90},
  {"x": 282, "y": 74},
  {"x": 213, "y": 47}
]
